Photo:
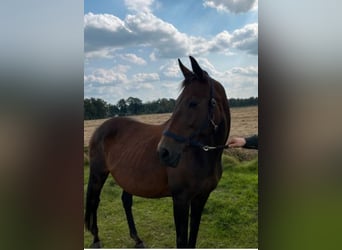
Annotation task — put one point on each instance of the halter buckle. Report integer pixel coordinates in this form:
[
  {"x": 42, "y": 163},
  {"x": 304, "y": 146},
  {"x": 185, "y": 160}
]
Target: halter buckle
[
  {"x": 214, "y": 124},
  {"x": 213, "y": 102}
]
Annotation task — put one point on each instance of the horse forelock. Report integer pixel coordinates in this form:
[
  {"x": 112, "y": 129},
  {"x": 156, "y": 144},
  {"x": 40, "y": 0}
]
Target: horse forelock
[{"x": 204, "y": 80}]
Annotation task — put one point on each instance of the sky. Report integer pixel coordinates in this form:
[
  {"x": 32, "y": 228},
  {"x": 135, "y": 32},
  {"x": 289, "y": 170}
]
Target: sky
[{"x": 132, "y": 46}]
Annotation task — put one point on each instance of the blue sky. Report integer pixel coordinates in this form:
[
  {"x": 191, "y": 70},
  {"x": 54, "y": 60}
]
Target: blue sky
[{"x": 132, "y": 46}]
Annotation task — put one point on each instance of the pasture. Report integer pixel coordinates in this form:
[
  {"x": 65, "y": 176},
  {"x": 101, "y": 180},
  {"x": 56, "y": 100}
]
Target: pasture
[{"x": 230, "y": 217}]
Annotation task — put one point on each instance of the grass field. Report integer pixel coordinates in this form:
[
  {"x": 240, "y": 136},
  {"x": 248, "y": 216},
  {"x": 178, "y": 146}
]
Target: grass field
[{"x": 230, "y": 217}]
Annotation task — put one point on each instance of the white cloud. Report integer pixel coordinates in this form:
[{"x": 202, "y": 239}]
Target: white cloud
[
  {"x": 208, "y": 66},
  {"x": 145, "y": 77},
  {"x": 220, "y": 43},
  {"x": 170, "y": 69},
  {"x": 232, "y": 6},
  {"x": 105, "y": 53},
  {"x": 103, "y": 22},
  {"x": 246, "y": 38},
  {"x": 105, "y": 76},
  {"x": 147, "y": 86},
  {"x": 251, "y": 71},
  {"x": 153, "y": 56},
  {"x": 103, "y": 31},
  {"x": 132, "y": 58},
  {"x": 115, "y": 75},
  {"x": 147, "y": 30},
  {"x": 115, "y": 83},
  {"x": 154, "y": 32},
  {"x": 240, "y": 82},
  {"x": 139, "y": 5},
  {"x": 222, "y": 40}
]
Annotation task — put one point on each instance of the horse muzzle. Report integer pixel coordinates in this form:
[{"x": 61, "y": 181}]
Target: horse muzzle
[{"x": 169, "y": 152}]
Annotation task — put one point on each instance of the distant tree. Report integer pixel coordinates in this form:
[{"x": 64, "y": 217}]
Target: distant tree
[
  {"x": 160, "y": 106},
  {"x": 113, "y": 110},
  {"x": 149, "y": 108},
  {"x": 88, "y": 109},
  {"x": 134, "y": 106},
  {"x": 98, "y": 108},
  {"x": 95, "y": 108},
  {"x": 122, "y": 107},
  {"x": 101, "y": 108},
  {"x": 239, "y": 102},
  {"x": 164, "y": 106}
]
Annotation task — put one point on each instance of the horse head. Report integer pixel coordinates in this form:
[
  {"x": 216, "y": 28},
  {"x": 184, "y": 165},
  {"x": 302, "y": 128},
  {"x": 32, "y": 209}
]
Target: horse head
[{"x": 200, "y": 118}]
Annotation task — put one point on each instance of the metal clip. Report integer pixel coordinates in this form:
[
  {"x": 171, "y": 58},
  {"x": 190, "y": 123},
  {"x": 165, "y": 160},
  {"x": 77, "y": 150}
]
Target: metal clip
[{"x": 206, "y": 148}]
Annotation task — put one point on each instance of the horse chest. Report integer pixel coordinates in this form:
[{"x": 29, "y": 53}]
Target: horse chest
[{"x": 193, "y": 180}]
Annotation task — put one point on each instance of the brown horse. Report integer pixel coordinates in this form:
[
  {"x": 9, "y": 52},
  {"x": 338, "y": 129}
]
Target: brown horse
[{"x": 180, "y": 158}]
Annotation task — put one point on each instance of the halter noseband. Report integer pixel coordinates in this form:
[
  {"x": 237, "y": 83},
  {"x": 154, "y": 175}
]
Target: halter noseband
[{"x": 190, "y": 140}]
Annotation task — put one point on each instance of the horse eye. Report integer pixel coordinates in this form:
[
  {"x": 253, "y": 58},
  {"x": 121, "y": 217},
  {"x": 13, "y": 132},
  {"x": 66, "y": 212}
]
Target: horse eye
[{"x": 193, "y": 104}]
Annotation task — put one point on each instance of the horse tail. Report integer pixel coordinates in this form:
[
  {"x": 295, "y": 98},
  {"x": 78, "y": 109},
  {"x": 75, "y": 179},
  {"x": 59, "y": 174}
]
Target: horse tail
[{"x": 97, "y": 177}]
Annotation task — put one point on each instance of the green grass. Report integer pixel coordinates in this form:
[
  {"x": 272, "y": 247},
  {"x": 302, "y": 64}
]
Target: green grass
[{"x": 229, "y": 220}]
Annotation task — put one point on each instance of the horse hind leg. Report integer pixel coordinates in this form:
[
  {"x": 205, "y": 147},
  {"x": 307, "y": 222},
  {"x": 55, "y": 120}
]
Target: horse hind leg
[
  {"x": 97, "y": 177},
  {"x": 127, "y": 201}
]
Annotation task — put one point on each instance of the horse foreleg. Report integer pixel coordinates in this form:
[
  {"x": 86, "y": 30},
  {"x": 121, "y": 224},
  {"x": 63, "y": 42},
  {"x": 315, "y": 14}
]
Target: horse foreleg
[
  {"x": 197, "y": 205},
  {"x": 181, "y": 218},
  {"x": 127, "y": 201}
]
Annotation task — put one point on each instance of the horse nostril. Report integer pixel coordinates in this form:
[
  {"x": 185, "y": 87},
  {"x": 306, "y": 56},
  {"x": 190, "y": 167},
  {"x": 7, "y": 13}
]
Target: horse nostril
[
  {"x": 164, "y": 153},
  {"x": 168, "y": 157}
]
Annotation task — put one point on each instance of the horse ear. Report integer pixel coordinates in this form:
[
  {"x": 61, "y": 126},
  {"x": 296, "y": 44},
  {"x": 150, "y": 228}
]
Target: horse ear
[
  {"x": 196, "y": 68},
  {"x": 186, "y": 72}
]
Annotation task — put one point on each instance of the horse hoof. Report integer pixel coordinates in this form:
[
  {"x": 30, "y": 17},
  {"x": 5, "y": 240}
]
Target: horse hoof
[
  {"x": 96, "y": 245},
  {"x": 140, "y": 245}
]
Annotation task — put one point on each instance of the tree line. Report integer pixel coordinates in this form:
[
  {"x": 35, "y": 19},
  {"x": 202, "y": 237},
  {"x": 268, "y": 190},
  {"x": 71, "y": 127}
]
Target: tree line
[{"x": 96, "y": 108}]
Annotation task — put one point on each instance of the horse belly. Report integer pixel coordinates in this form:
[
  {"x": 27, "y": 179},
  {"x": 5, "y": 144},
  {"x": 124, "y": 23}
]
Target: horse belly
[{"x": 138, "y": 171}]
